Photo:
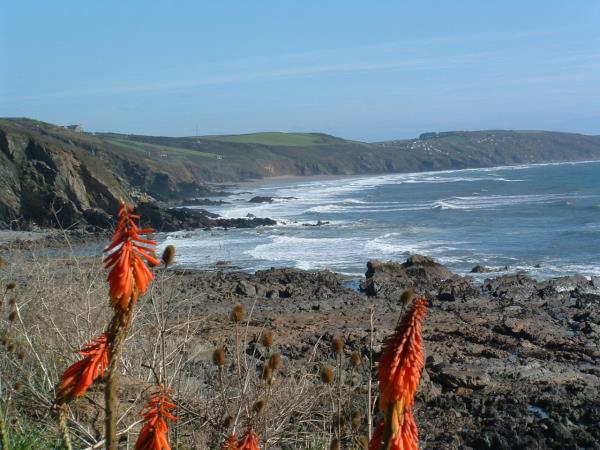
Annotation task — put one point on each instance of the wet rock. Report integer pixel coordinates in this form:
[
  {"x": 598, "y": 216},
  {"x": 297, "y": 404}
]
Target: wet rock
[
  {"x": 390, "y": 279},
  {"x": 518, "y": 287},
  {"x": 480, "y": 269},
  {"x": 246, "y": 289},
  {"x": 174, "y": 219},
  {"x": 453, "y": 378},
  {"x": 456, "y": 289}
]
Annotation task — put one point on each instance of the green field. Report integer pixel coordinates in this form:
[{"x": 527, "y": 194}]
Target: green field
[
  {"x": 272, "y": 138},
  {"x": 155, "y": 149}
]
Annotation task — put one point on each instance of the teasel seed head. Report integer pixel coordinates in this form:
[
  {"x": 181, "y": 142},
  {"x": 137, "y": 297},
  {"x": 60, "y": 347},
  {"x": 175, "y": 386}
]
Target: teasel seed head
[
  {"x": 339, "y": 421},
  {"x": 356, "y": 359},
  {"x": 356, "y": 419},
  {"x": 237, "y": 313},
  {"x": 258, "y": 407},
  {"x": 18, "y": 386},
  {"x": 363, "y": 442},
  {"x": 267, "y": 339},
  {"x": 13, "y": 302},
  {"x": 407, "y": 296},
  {"x": 228, "y": 421},
  {"x": 275, "y": 361},
  {"x": 337, "y": 344},
  {"x": 218, "y": 357},
  {"x": 267, "y": 374},
  {"x": 12, "y": 316},
  {"x": 21, "y": 355},
  {"x": 11, "y": 347},
  {"x": 168, "y": 256},
  {"x": 335, "y": 444},
  {"x": 326, "y": 374},
  {"x": 10, "y": 286}
]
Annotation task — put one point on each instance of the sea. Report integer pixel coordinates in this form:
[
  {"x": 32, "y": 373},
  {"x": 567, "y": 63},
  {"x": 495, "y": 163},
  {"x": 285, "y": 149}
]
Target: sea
[{"x": 541, "y": 219}]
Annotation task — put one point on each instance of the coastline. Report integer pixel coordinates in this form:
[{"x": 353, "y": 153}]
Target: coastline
[{"x": 286, "y": 179}]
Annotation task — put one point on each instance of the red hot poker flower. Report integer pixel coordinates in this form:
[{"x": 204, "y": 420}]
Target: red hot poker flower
[
  {"x": 249, "y": 441},
  {"x": 400, "y": 370},
  {"x": 402, "y": 359},
  {"x": 407, "y": 437},
  {"x": 81, "y": 375},
  {"x": 125, "y": 257},
  {"x": 229, "y": 444},
  {"x": 153, "y": 435}
]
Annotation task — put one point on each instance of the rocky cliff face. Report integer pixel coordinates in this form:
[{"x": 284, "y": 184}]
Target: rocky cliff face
[{"x": 51, "y": 182}]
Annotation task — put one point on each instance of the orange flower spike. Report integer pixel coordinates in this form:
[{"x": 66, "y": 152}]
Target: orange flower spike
[
  {"x": 402, "y": 359},
  {"x": 229, "y": 444},
  {"x": 125, "y": 257},
  {"x": 249, "y": 441},
  {"x": 81, "y": 375},
  {"x": 406, "y": 438},
  {"x": 153, "y": 435}
]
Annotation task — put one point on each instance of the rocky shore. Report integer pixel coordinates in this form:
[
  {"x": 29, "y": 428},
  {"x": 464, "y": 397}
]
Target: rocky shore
[{"x": 511, "y": 362}]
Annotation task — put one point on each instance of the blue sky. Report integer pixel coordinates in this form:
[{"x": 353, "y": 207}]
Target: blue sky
[{"x": 369, "y": 70}]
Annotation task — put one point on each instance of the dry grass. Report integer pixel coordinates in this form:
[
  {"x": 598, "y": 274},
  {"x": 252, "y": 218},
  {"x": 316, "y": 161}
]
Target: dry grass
[{"x": 61, "y": 304}]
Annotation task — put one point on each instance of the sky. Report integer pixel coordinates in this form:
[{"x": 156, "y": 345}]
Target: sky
[{"x": 364, "y": 70}]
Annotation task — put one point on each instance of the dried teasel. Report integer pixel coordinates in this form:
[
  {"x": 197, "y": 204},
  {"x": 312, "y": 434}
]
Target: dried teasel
[
  {"x": 363, "y": 442},
  {"x": 267, "y": 374},
  {"x": 21, "y": 355},
  {"x": 10, "y": 286},
  {"x": 337, "y": 344},
  {"x": 18, "y": 386},
  {"x": 355, "y": 359},
  {"x": 275, "y": 361},
  {"x": 407, "y": 296},
  {"x": 11, "y": 347},
  {"x": 258, "y": 407},
  {"x": 267, "y": 339},
  {"x": 335, "y": 444},
  {"x": 13, "y": 315},
  {"x": 218, "y": 357},
  {"x": 168, "y": 256},
  {"x": 326, "y": 374},
  {"x": 237, "y": 313},
  {"x": 356, "y": 419},
  {"x": 339, "y": 421},
  {"x": 228, "y": 421}
]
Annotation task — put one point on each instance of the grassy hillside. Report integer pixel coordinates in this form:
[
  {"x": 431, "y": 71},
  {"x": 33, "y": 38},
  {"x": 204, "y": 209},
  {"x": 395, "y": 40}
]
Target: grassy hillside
[{"x": 41, "y": 162}]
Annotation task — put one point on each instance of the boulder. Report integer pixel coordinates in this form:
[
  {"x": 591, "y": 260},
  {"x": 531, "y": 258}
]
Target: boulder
[
  {"x": 453, "y": 378},
  {"x": 246, "y": 289},
  {"x": 389, "y": 279}
]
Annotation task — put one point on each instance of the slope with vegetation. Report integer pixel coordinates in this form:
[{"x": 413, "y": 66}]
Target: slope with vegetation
[{"x": 49, "y": 174}]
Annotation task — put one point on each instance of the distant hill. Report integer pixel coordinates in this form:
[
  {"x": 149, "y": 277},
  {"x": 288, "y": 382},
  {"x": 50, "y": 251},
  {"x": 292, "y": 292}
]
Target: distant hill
[{"x": 50, "y": 173}]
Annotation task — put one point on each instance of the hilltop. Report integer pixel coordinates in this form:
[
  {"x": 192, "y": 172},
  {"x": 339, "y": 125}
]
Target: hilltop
[{"x": 50, "y": 174}]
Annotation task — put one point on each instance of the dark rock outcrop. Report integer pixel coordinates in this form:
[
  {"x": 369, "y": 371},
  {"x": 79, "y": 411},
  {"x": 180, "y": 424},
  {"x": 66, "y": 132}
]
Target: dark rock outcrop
[
  {"x": 174, "y": 219},
  {"x": 390, "y": 279}
]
